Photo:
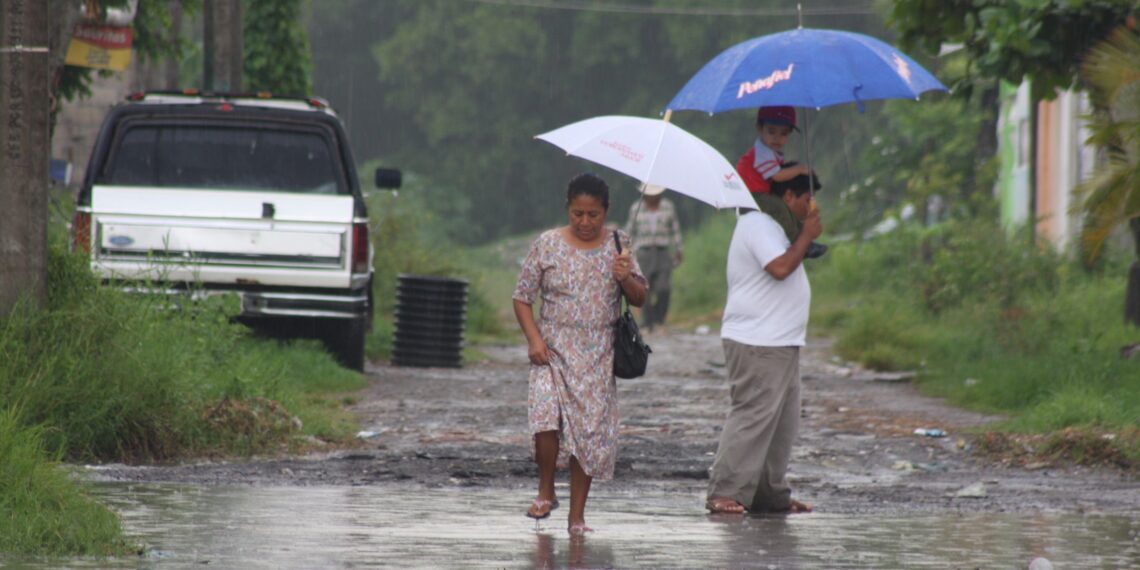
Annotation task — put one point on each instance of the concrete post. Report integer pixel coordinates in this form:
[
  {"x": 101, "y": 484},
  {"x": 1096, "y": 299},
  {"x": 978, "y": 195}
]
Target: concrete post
[{"x": 24, "y": 151}]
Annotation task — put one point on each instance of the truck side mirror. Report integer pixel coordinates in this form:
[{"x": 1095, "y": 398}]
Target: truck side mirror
[{"x": 388, "y": 178}]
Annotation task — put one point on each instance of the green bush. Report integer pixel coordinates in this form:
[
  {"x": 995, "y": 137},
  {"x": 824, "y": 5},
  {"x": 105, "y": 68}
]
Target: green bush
[
  {"x": 1045, "y": 361},
  {"x": 966, "y": 261},
  {"x": 98, "y": 375},
  {"x": 993, "y": 321},
  {"x": 128, "y": 378},
  {"x": 44, "y": 511},
  {"x": 884, "y": 336}
]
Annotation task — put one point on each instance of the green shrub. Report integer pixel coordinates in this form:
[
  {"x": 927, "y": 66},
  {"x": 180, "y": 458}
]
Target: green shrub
[
  {"x": 103, "y": 376},
  {"x": 127, "y": 378},
  {"x": 965, "y": 261},
  {"x": 44, "y": 511},
  {"x": 98, "y": 375},
  {"x": 992, "y": 321},
  {"x": 885, "y": 335}
]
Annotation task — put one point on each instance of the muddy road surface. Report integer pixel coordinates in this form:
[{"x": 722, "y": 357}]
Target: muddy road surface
[{"x": 857, "y": 453}]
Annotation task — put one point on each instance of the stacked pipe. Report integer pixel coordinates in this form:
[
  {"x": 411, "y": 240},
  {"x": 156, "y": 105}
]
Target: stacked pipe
[{"x": 430, "y": 320}]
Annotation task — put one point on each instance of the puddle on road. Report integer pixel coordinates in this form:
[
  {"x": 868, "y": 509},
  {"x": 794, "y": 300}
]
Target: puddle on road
[{"x": 386, "y": 527}]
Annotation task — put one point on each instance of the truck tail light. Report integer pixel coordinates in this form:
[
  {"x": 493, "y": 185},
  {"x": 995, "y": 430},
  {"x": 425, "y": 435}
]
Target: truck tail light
[
  {"x": 360, "y": 247},
  {"x": 81, "y": 232}
]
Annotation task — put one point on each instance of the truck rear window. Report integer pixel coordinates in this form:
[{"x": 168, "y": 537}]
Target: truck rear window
[{"x": 224, "y": 158}]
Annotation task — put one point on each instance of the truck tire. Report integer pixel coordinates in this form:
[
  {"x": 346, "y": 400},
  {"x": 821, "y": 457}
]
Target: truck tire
[{"x": 344, "y": 338}]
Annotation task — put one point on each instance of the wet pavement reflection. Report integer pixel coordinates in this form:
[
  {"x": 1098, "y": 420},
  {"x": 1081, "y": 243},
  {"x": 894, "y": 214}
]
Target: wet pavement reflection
[{"x": 414, "y": 527}]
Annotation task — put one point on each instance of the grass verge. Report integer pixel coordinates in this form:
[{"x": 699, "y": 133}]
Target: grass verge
[
  {"x": 99, "y": 376},
  {"x": 994, "y": 323},
  {"x": 45, "y": 512}
]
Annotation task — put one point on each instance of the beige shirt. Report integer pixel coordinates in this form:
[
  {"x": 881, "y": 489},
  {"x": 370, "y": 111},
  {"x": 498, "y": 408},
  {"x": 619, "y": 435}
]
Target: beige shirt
[{"x": 659, "y": 228}]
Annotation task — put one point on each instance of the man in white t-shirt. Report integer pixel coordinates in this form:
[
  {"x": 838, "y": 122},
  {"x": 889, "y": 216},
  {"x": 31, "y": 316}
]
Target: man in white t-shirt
[{"x": 764, "y": 326}]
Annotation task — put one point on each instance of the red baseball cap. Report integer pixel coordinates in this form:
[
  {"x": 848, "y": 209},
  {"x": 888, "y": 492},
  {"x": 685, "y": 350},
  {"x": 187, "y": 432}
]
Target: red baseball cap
[{"x": 777, "y": 115}]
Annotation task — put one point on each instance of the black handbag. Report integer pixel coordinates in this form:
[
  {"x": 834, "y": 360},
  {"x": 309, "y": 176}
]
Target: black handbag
[{"x": 631, "y": 354}]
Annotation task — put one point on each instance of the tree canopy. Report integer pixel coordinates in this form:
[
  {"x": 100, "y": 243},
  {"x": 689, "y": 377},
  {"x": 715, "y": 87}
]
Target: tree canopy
[
  {"x": 152, "y": 27},
  {"x": 276, "y": 48},
  {"x": 1044, "y": 40},
  {"x": 1112, "y": 195},
  {"x": 455, "y": 91}
]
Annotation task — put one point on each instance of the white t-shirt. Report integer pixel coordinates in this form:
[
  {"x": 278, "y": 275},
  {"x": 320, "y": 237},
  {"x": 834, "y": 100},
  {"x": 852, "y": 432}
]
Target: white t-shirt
[{"x": 762, "y": 310}]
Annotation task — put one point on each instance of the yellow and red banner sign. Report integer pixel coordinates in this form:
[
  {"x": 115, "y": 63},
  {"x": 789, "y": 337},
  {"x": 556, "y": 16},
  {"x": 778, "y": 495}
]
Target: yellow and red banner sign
[{"x": 100, "y": 47}]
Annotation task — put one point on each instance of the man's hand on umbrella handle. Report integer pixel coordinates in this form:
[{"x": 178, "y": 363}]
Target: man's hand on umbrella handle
[
  {"x": 813, "y": 226},
  {"x": 623, "y": 265}
]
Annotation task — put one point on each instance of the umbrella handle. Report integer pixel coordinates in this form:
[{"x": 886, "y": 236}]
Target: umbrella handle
[
  {"x": 807, "y": 155},
  {"x": 668, "y": 115}
]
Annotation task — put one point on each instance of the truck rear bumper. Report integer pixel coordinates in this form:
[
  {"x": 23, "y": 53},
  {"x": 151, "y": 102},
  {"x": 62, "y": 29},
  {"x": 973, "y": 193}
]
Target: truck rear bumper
[
  {"x": 346, "y": 305},
  {"x": 263, "y": 304}
]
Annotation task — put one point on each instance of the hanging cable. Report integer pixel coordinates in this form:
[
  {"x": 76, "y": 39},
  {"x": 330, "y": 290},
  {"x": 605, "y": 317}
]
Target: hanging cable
[{"x": 867, "y": 9}]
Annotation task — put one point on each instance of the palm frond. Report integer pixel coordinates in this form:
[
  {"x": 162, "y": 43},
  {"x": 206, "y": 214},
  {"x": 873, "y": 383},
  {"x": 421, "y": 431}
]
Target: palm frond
[
  {"x": 1108, "y": 197},
  {"x": 1111, "y": 65},
  {"x": 1112, "y": 194}
]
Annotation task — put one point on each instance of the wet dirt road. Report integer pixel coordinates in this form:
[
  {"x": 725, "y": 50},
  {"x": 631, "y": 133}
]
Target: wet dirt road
[
  {"x": 447, "y": 475},
  {"x": 856, "y": 452}
]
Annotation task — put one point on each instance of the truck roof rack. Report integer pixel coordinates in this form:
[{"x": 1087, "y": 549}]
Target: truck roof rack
[{"x": 253, "y": 99}]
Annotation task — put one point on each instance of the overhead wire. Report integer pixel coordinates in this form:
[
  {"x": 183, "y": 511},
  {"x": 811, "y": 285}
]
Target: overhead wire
[{"x": 678, "y": 10}]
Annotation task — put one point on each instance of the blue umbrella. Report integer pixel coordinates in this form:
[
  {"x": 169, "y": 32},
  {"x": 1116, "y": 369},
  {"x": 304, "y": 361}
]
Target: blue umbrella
[{"x": 804, "y": 68}]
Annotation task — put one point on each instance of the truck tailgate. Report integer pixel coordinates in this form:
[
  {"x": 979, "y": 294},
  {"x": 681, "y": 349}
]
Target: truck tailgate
[{"x": 222, "y": 236}]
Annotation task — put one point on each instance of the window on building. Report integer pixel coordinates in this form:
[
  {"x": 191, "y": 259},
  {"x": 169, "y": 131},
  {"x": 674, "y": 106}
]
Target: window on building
[{"x": 1022, "y": 143}]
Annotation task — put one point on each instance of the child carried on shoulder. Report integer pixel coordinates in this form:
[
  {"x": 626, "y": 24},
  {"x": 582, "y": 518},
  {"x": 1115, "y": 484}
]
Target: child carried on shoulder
[{"x": 763, "y": 164}]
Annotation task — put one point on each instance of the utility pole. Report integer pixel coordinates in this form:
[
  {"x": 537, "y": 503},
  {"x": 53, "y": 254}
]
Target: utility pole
[
  {"x": 171, "y": 69},
  {"x": 222, "y": 43},
  {"x": 24, "y": 151}
]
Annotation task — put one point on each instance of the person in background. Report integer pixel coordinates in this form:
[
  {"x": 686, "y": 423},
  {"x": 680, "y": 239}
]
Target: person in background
[
  {"x": 763, "y": 164},
  {"x": 573, "y": 408},
  {"x": 764, "y": 326},
  {"x": 656, "y": 233}
]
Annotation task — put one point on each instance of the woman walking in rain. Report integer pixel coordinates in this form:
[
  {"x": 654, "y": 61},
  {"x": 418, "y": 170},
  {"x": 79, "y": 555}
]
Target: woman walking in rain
[{"x": 573, "y": 410}]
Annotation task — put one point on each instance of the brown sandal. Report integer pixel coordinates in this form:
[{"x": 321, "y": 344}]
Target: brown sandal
[
  {"x": 535, "y": 511},
  {"x": 724, "y": 505},
  {"x": 798, "y": 507},
  {"x": 578, "y": 530},
  {"x": 794, "y": 508}
]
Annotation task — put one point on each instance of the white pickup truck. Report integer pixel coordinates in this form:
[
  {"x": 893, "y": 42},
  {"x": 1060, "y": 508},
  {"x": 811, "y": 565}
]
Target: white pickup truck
[{"x": 256, "y": 196}]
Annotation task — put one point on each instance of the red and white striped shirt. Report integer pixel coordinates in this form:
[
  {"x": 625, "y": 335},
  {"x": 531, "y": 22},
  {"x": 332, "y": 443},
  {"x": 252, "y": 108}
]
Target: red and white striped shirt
[{"x": 758, "y": 165}]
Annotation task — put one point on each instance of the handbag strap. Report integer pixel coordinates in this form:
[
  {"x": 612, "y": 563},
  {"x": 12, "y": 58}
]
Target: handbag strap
[{"x": 621, "y": 293}]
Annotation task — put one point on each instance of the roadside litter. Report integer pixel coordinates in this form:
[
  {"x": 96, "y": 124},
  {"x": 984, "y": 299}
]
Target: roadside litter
[
  {"x": 975, "y": 491},
  {"x": 887, "y": 377}
]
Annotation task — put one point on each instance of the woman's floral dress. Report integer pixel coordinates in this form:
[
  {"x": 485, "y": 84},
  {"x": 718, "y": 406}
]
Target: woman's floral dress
[{"x": 576, "y": 394}]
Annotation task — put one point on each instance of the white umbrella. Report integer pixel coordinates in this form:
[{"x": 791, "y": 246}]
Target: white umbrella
[{"x": 655, "y": 152}]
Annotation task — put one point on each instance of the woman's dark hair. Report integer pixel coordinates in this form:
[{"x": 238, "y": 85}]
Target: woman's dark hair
[{"x": 591, "y": 185}]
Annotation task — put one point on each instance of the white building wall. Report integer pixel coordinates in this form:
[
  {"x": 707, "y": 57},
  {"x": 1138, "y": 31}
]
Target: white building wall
[{"x": 1073, "y": 162}]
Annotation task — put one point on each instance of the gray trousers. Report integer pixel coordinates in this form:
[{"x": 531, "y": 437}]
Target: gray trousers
[
  {"x": 657, "y": 265},
  {"x": 752, "y": 459}
]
